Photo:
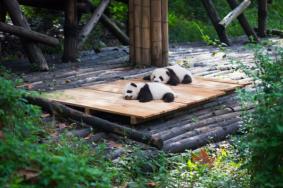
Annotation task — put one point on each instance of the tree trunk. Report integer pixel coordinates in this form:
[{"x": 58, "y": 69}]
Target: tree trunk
[
  {"x": 32, "y": 50},
  {"x": 29, "y": 34}
]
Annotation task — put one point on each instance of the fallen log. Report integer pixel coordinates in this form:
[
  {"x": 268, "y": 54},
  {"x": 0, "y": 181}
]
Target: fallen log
[
  {"x": 235, "y": 13},
  {"x": 33, "y": 52},
  {"x": 88, "y": 27},
  {"x": 195, "y": 142},
  {"x": 95, "y": 122},
  {"x": 165, "y": 135},
  {"x": 29, "y": 34},
  {"x": 201, "y": 130},
  {"x": 275, "y": 32}
]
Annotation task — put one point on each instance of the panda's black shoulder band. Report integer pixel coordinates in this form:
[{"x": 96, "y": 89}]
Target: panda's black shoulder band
[
  {"x": 145, "y": 94},
  {"x": 173, "y": 78}
]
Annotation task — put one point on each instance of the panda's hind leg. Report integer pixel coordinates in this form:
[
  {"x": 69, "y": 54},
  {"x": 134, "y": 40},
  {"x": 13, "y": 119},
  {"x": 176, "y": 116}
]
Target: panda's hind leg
[
  {"x": 168, "y": 97},
  {"x": 187, "y": 79}
]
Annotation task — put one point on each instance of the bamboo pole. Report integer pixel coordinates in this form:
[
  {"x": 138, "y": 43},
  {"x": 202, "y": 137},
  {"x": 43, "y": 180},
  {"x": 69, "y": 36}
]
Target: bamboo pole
[
  {"x": 165, "y": 32},
  {"x": 131, "y": 30},
  {"x": 145, "y": 38},
  {"x": 137, "y": 31},
  {"x": 262, "y": 17},
  {"x": 156, "y": 33}
]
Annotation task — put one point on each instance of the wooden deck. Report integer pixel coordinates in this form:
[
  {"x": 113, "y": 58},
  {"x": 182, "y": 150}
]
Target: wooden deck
[
  {"x": 189, "y": 128},
  {"x": 108, "y": 98}
]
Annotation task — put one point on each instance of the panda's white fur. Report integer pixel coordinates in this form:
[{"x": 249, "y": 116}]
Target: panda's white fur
[
  {"x": 145, "y": 92},
  {"x": 164, "y": 75}
]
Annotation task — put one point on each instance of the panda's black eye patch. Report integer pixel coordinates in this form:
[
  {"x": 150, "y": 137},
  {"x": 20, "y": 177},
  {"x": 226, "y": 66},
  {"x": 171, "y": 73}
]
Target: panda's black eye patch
[
  {"x": 129, "y": 91},
  {"x": 160, "y": 77},
  {"x": 134, "y": 85}
]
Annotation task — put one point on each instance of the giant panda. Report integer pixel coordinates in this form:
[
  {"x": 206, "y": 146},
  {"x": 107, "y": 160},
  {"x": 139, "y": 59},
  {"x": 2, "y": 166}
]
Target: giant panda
[
  {"x": 172, "y": 75},
  {"x": 145, "y": 92}
]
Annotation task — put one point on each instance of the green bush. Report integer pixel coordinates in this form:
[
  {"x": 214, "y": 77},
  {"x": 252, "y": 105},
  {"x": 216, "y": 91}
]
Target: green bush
[
  {"x": 30, "y": 158},
  {"x": 263, "y": 137}
]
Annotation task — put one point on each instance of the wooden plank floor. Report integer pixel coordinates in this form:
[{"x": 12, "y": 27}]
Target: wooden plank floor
[{"x": 108, "y": 98}]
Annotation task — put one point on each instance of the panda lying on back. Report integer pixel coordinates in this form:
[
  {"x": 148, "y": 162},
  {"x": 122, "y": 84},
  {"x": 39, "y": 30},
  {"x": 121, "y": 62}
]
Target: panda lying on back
[
  {"x": 145, "y": 92},
  {"x": 172, "y": 75}
]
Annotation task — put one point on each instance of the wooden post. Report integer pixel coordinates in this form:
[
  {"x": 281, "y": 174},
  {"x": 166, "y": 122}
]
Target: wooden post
[
  {"x": 262, "y": 17},
  {"x": 137, "y": 29},
  {"x": 165, "y": 32},
  {"x": 156, "y": 33},
  {"x": 235, "y": 13},
  {"x": 244, "y": 22},
  {"x": 131, "y": 31},
  {"x": 86, "y": 30},
  {"x": 33, "y": 52},
  {"x": 215, "y": 19},
  {"x": 70, "y": 32},
  {"x": 3, "y": 12},
  {"x": 145, "y": 37}
]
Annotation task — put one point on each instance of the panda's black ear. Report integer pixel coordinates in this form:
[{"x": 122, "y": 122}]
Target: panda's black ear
[
  {"x": 173, "y": 78},
  {"x": 146, "y": 78},
  {"x": 187, "y": 79},
  {"x": 134, "y": 85},
  {"x": 145, "y": 94}
]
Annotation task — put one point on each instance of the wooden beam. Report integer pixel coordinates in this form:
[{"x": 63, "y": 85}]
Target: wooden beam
[
  {"x": 83, "y": 7},
  {"x": 262, "y": 17},
  {"x": 235, "y": 13},
  {"x": 88, "y": 27},
  {"x": 33, "y": 52},
  {"x": 63, "y": 111},
  {"x": 244, "y": 22},
  {"x": 215, "y": 19},
  {"x": 71, "y": 32},
  {"x": 29, "y": 34}
]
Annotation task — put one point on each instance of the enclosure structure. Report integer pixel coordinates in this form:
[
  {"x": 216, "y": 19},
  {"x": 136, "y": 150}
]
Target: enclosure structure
[
  {"x": 148, "y": 31},
  {"x": 147, "y": 28}
]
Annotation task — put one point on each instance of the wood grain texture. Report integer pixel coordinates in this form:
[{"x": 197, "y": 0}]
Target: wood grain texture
[{"x": 108, "y": 98}]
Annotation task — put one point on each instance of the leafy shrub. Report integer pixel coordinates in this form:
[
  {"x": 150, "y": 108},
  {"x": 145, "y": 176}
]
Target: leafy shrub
[
  {"x": 264, "y": 127},
  {"x": 28, "y": 159}
]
